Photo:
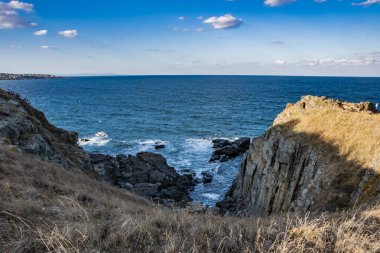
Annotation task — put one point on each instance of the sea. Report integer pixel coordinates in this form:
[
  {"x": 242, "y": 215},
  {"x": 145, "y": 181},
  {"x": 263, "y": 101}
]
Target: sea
[{"x": 131, "y": 114}]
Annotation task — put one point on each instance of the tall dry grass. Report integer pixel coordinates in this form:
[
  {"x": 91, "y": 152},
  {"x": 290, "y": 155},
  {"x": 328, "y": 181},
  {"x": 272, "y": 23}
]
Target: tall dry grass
[{"x": 44, "y": 208}]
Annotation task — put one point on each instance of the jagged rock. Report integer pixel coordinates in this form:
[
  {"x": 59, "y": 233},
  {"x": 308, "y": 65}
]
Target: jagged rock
[
  {"x": 226, "y": 149},
  {"x": 147, "y": 174},
  {"x": 27, "y": 128},
  {"x": 159, "y": 146},
  {"x": 206, "y": 177},
  {"x": 298, "y": 164}
]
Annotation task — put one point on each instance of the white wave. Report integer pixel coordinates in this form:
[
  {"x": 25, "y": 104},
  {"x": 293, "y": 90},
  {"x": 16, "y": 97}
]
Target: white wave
[
  {"x": 200, "y": 145},
  {"x": 99, "y": 139},
  {"x": 212, "y": 196},
  {"x": 145, "y": 145}
]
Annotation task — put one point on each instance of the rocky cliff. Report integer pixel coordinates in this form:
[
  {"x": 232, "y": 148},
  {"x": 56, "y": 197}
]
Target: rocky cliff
[
  {"x": 26, "y": 129},
  {"x": 319, "y": 155}
]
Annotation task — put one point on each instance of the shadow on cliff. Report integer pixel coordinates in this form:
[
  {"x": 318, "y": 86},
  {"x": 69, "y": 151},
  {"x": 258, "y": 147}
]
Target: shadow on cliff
[
  {"x": 349, "y": 181},
  {"x": 277, "y": 171}
]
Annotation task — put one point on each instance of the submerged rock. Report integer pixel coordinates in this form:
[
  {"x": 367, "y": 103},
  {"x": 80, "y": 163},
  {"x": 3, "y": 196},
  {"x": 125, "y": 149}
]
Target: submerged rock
[
  {"x": 206, "y": 177},
  {"x": 147, "y": 174},
  {"x": 159, "y": 146},
  {"x": 225, "y": 150}
]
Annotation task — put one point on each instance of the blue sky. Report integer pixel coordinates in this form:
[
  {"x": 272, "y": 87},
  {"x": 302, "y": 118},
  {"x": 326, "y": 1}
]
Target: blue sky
[{"x": 258, "y": 37}]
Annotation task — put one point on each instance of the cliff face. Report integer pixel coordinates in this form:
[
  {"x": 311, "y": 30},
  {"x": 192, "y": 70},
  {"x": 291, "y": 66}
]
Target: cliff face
[
  {"x": 27, "y": 129},
  {"x": 319, "y": 155}
]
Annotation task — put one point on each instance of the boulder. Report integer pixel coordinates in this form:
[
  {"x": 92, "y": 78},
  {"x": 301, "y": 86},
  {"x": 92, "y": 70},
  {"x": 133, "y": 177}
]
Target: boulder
[
  {"x": 147, "y": 174},
  {"x": 225, "y": 150},
  {"x": 206, "y": 177}
]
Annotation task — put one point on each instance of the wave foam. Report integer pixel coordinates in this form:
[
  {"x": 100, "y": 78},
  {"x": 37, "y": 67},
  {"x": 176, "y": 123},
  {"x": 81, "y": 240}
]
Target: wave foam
[
  {"x": 99, "y": 139},
  {"x": 212, "y": 196},
  {"x": 199, "y": 144},
  {"x": 145, "y": 145}
]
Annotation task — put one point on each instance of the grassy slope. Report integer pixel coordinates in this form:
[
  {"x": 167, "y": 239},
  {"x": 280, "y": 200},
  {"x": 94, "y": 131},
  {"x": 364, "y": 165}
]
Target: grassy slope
[{"x": 44, "y": 208}]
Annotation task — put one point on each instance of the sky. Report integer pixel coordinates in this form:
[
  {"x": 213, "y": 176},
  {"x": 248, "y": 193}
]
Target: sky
[{"x": 191, "y": 37}]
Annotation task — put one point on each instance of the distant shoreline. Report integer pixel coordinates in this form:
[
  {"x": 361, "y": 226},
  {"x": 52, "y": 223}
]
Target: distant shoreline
[{"x": 10, "y": 76}]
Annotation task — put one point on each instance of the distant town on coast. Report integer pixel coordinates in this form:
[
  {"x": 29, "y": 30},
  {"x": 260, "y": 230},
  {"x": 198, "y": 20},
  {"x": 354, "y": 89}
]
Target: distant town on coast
[{"x": 10, "y": 76}]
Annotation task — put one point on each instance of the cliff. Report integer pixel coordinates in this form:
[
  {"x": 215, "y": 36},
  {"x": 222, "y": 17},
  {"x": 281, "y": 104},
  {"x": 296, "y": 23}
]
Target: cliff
[
  {"x": 319, "y": 155},
  {"x": 26, "y": 129}
]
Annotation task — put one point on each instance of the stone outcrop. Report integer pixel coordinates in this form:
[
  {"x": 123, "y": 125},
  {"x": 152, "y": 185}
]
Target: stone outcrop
[
  {"x": 24, "y": 128},
  {"x": 225, "y": 150},
  {"x": 27, "y": 129},
  {"x": 146, "y": 174},
  {"x": 301, "y": 164}
]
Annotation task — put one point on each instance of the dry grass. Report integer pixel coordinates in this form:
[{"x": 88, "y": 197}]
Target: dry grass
[
  {"x": 355, "y": 135},
  {"x": 44, "y": 208}
]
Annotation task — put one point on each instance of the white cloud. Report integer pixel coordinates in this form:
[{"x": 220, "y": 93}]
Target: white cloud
[
  {"x": 279, "y": 62},
  {"x": 33, "y": 24},
  {"x": 41, "y": 32},
  {"x": 200, "y": 17},
  {"x": 367, "y": 3},
  {"x": 224, "y": 22},
  {"x": 69, "y": 33},
  {"x": 21, "y": 6},
  {"x": 48, "y": 47},
  {"x": 274, "y": 3},
  {"x": 181, "y": 18},
  {"x": 320, "y": 1},
  {"x": 367, "y": 59},
  {"x": 9, "y": 14}
]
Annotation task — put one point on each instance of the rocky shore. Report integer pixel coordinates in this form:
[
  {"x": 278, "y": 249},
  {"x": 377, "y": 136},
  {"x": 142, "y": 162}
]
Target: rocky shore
[
  {"x": 8, "y": 76},
  {"x": 319, "y": 155},
  {"x": 147, "y": 174}
]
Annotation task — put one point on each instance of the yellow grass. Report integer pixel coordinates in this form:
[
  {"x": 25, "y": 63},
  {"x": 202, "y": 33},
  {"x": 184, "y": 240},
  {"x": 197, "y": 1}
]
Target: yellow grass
[
  {"x": 354, "y": 134},
  {"x": 44, "y": 208}
]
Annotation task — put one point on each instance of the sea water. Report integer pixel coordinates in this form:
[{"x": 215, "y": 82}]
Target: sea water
[{"x": 130, "y": 114}]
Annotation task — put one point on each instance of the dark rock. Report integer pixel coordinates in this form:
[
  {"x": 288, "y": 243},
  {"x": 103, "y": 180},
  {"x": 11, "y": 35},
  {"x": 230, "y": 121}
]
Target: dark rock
[
  {"x": 226, "y": 150},
  {"x": 221, "y": 143},
  {"x": 146, "y": 174},
  {"x": 206, "y": 177},
  {"x": 27, "y": 128},
  {"x": 159, "y": 146}
]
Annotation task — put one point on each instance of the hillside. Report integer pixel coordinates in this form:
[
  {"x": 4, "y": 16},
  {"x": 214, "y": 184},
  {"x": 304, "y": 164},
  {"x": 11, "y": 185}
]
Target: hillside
[
  {"x": 47, "y": 205},
  {"x": 319, "y": 155}
]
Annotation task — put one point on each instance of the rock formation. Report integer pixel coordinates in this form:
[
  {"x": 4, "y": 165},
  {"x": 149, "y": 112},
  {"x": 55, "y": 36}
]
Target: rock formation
[
  {"x": 319, "y": 155},
  {"x": 146, "y": 174},
  {"x": 28, "y": 129},
  {"x": 225, "y": 150},
  {"x": 24, "y": 128}
]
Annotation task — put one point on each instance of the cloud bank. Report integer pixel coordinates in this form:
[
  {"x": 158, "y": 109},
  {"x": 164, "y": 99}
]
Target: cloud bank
[
  {"x": 367, "y": 3},
  {"x": 10, "y": 14},
  {"x": 224, "y": 22}
]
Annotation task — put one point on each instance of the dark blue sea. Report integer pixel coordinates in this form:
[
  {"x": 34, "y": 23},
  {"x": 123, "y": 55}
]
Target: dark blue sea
[{"x": 129, "y": 114}]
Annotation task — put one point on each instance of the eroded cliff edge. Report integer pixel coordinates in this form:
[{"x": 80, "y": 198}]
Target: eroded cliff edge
[{"x": 319, "y": 155}]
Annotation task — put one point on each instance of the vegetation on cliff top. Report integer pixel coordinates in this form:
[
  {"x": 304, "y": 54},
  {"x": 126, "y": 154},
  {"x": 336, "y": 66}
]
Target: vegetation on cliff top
[
  {"x": 356, "y": 136},
  {"x": 44, "y": 208}
]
